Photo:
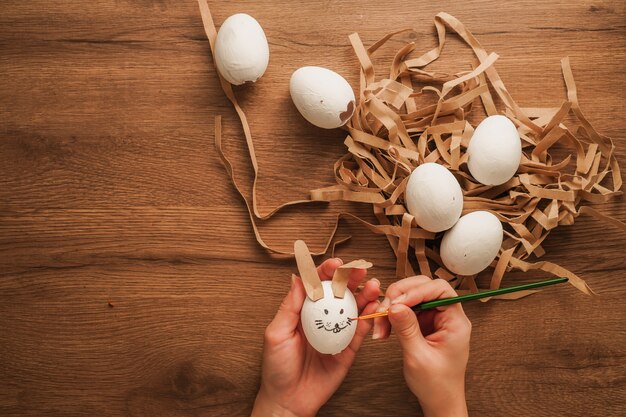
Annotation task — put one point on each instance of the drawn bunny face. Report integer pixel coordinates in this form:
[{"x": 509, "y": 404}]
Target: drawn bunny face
[
  {"x": 326, "y": 322},
  {"x": 329, "y": 305}
]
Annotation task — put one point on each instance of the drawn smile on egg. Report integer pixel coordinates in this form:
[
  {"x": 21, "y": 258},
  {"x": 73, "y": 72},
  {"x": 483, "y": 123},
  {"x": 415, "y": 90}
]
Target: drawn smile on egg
[{"x": 328, "y": 326}]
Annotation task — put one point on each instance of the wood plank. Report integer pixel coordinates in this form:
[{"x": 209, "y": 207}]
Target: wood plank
[{"x": 177, "y": 235}]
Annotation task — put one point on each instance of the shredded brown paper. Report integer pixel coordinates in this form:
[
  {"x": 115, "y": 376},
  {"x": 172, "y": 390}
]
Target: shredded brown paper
[{"x": 389, "y": 135}]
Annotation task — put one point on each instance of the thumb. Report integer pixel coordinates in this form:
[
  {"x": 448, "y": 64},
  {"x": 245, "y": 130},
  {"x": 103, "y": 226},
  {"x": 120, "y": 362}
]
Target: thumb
[
  {"x": 287, "y": 317},
  {"x": 404, "y": 321}
]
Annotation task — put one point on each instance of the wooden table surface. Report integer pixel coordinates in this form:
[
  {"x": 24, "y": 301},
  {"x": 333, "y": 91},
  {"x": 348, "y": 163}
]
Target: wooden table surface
[{"x": 130, "y": 280}]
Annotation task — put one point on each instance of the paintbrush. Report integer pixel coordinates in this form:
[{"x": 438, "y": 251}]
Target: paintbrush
[{"x": 467, "y": 297}]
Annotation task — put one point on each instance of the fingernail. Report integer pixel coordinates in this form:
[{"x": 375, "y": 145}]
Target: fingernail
[
  {"x": 293, "y": 280},
  {"x": 376, "y": 281},
  {"x": 376, "y": 332},
  {"x": 384, "y": 305},
  {"x": 338, "y": 260},
  {"x": 396, "y": 309},
  {"x": 399, "y": 299}
]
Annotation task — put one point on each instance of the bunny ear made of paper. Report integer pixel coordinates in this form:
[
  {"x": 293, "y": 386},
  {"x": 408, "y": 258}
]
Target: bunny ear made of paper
[
  {"x": 308, "y": 271},
  {"x": 311, "y": 280},
  {"x": 342, "y": 275}
]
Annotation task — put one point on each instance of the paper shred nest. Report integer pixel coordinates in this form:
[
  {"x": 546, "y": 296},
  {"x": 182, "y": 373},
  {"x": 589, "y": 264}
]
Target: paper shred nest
[{"x": 389, "y": 135}]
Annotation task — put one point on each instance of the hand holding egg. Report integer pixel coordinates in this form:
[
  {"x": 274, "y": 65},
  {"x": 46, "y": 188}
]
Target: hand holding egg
[{"x": 296, "y": 377}]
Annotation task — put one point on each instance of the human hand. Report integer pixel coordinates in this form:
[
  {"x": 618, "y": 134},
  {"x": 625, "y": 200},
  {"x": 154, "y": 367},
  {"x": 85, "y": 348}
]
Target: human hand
[
  {"x": 435, "y": 343},
  {"x": 296, "y": 379}
]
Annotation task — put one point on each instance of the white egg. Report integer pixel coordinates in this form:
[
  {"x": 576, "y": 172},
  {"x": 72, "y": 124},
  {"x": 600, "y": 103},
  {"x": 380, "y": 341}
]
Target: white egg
[
  {"x": 241, "y": 49},
  {"x": 322, "y": 96},
  {"x": 326, "y": 322},
  {"x": 473, "y": 242},
  {"x": 495, "y": 151},
  {"x": 434, "y": 197}
]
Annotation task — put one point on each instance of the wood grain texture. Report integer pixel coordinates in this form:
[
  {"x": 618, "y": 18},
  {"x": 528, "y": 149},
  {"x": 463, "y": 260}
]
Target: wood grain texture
[{"x": 130, "y": 280}]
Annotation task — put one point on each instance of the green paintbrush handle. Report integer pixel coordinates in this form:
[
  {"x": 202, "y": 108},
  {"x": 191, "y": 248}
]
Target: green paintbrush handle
[{"x": 483, "y": 294}]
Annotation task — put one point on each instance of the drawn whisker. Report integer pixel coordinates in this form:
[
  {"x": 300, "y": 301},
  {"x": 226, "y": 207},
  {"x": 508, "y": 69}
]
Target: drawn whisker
[{"x": 330, "y": 328}]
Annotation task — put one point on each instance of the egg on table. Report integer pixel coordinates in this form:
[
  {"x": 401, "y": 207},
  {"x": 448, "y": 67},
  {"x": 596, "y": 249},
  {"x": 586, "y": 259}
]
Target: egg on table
[
  {"x": 472, "y": 243},
  {"x": 494, "y": 151},
  {"x": 323, "y": 97},
  {"x": 241, "y": 49},
  {"x": 434, "y": 197},
  {"x": 326, "y": 322}
]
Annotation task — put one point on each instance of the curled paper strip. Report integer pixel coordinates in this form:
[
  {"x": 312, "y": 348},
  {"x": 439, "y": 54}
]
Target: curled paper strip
[{"x": 392, "y": 132}]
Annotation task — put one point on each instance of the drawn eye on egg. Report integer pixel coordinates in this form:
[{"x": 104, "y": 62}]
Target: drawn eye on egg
[{"x": 332, "y": 319}]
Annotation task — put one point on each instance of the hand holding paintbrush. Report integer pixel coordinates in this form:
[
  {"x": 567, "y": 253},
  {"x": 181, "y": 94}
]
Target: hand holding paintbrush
[
  {"x": 435, "y": 342},
  {"x": 468, "y": 297}
]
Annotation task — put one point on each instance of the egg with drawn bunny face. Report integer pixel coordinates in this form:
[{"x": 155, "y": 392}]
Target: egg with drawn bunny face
[{"x": 326, "y": 322}]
